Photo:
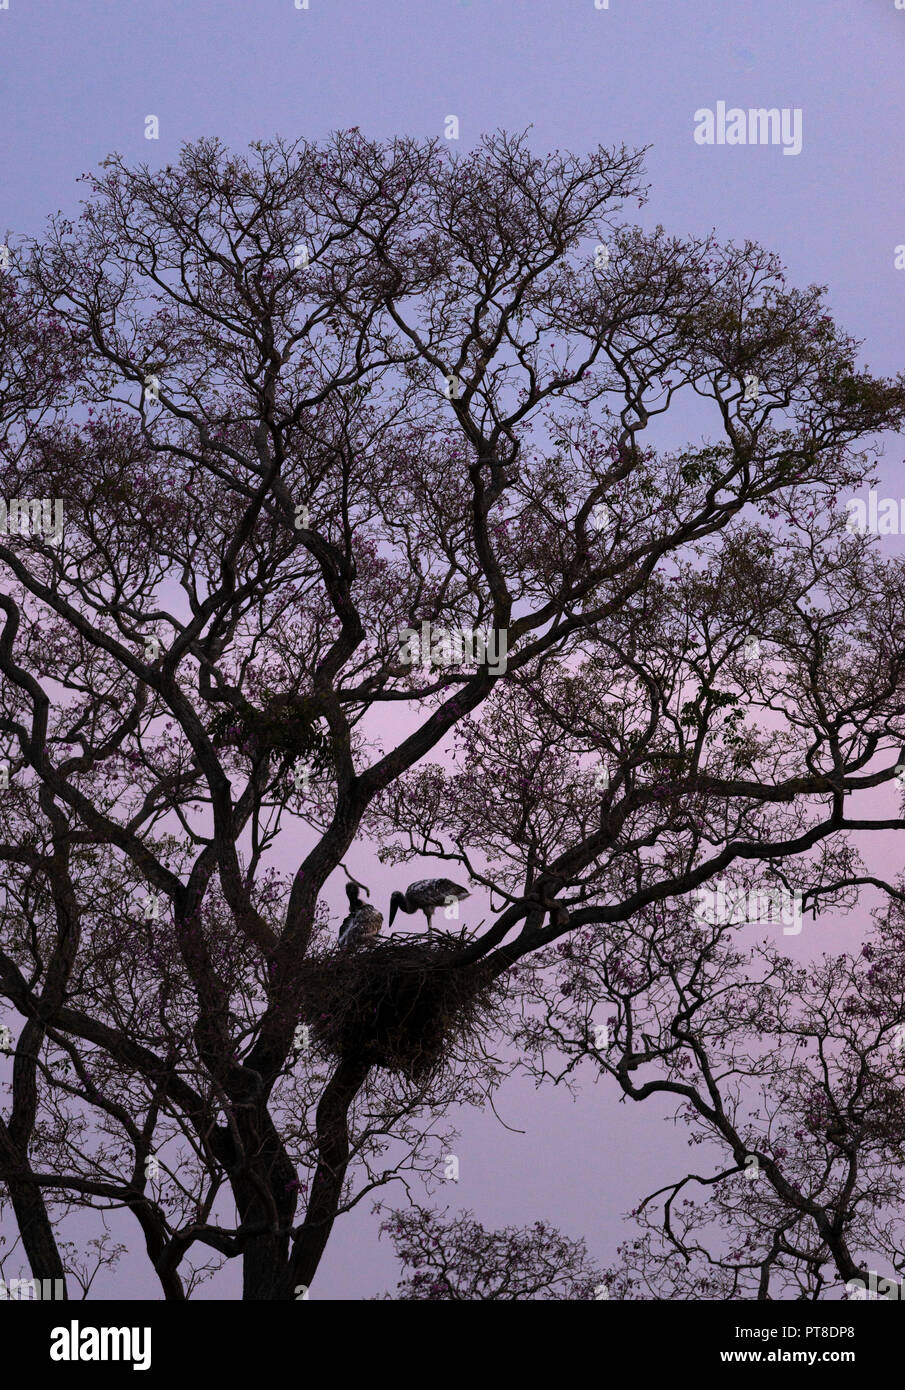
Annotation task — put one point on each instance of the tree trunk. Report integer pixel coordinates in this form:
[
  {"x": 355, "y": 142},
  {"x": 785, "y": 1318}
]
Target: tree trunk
[
  {"x": 326, "y": 1189},
  {"x": 264, "y": 1188},
  {"x": 30, "y": 1210}
]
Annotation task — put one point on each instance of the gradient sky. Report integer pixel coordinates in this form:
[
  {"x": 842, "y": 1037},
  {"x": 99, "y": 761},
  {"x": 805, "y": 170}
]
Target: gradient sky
[{"x": 80, "y": 76}]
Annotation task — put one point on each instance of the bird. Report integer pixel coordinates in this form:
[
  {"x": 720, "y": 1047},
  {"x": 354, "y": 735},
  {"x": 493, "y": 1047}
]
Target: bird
[
  {"x": 363, "y": 922},
  {"x": 426, "y": 895}
]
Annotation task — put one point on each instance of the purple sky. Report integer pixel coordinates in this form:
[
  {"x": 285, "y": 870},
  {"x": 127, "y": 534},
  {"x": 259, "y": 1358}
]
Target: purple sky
[{"x": 80, "y": 76}]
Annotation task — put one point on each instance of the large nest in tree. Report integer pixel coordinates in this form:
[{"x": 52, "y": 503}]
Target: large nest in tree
[{"x": 396, "y": 1004}]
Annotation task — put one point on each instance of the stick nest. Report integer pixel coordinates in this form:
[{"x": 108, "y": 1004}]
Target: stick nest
[{"x": 397, "y": 1005}]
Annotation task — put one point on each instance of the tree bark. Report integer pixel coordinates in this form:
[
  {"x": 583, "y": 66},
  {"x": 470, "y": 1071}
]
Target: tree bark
[
  {"x": 264, "y": 1188},
  {"x": 326, "y": 1189},
  {"x": 31, "y": 1213}
]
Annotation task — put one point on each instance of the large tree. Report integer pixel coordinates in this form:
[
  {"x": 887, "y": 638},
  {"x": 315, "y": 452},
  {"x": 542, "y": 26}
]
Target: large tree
[{"x": 296, "y": 404}]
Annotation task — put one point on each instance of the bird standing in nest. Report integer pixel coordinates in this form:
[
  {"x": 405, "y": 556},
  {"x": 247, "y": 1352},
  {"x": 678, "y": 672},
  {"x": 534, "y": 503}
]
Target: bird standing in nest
[
  {"x": 425, "y": 896},
  {"x": 363, "y": 923}
]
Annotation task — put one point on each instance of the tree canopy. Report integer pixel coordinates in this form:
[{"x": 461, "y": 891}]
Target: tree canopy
[{"x": 301, "y": 401}]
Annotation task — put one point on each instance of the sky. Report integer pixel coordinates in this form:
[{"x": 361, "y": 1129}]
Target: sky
[{"x": 79, "y": 78}]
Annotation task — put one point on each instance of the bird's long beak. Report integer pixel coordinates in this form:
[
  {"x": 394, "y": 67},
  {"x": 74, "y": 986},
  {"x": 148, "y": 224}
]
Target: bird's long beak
[{"x": 394, "y": 908}]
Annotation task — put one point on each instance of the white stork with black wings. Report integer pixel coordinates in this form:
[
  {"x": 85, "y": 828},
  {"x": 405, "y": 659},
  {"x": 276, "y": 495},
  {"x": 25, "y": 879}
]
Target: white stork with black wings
[
  {"x": 363, "y": 923},
  {"x": 426, "y": 895}
]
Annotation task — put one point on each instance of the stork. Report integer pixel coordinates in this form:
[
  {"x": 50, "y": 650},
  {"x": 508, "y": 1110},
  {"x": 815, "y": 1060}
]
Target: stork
[
  {"x": 426, "y": 895},
  {"x": 363, "y": 922}
]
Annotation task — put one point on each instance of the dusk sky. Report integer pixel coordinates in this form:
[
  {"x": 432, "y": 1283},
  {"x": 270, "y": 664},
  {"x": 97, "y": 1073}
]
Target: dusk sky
[{"x": 79, "y": 79}]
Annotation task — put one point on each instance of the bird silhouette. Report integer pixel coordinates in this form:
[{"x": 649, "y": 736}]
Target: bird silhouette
[
  {"x": 425, "y": 896},
  {"x": 363, "y": 923}
]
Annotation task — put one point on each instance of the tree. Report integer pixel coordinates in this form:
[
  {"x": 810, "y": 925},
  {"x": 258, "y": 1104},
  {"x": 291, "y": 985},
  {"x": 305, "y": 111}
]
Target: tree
[
  {"x": 789, "y": 1076},
  {"x": 296, "y": 405},
  {"x": 459, "y": 1261}
]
